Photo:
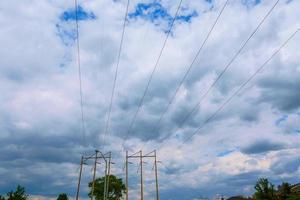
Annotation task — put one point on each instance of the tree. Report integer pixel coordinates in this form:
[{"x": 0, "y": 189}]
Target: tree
[
  {"x": 116, "y": 188},
  {"x": 62, "y": 196},
  {"x": 2, "y": 197},
  {"x": 19, "y": 194},
  {"x": 295, "y": 196},
  {"x": 284, "y": 190},
  {"x": 264, "y": 190}
]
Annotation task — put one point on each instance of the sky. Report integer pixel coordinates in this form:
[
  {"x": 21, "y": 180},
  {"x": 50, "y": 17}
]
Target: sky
[{"x": 255, "y": 135}]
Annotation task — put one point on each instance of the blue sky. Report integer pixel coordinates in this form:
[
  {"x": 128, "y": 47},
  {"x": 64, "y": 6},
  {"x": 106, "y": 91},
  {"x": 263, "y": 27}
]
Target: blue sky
[
  {"x": 256, "y": 135},
  {"x": 65, "y": 29},
  {"x": 81, "y": 14},
  {"x": 157, "y": 14}
]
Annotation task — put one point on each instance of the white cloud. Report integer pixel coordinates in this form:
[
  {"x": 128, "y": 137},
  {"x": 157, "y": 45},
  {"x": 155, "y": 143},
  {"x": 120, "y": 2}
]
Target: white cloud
[{"x": 40, "y": 113}]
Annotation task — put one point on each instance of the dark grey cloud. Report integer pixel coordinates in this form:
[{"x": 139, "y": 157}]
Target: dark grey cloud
[
  {"x": 281, "y": 92},
  {"x": 225, "y": 185},
  {"x": 31, "y": 156},
  {"x": 262, "y": 146},
  {"x": 250, "y": 115},
  {"x": 286, "y": 165},
  {"x": 39, "y": 179}
]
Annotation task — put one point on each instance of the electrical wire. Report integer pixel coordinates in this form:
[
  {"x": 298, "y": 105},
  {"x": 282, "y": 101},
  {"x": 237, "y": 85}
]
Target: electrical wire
[
  {"x": 188, "y": 69},
  {"x": 242, "y": 86},
  {"x": 79, "y": 74},
  {"x": 195, "y": 108},
  {"x": 116, "y": 73},
  {"x": 152, "y": 73}
]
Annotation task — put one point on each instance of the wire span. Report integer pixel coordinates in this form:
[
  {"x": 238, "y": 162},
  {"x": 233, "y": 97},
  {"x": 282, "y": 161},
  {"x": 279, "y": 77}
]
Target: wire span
[
  {"x": 196, "y": 107},
  {"x": 152, "y": 73},
  {"x": 79, "y": 74},
  {"x": 242, "y": 86},
  {"x": 116, "y": 75}
]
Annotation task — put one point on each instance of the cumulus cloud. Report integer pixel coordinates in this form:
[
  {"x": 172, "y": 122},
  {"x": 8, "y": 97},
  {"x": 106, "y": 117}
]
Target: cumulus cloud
[
  {"x": 41, "y": 137},
  {"x": 262, "y": 147}
]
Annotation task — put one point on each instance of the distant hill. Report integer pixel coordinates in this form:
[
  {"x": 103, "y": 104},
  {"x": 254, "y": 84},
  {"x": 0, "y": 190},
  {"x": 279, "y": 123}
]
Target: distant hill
[
  {"x": 296, "y": 188},
  {"x": 239, "y": 198}
]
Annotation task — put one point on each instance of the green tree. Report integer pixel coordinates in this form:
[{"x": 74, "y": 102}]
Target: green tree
[
  {"x": 2, "y": 197},
  {"x": 116, "y": 188},
  {"x": 19, "y": 194},
  {"x": 264, "y": 190},
  {"x": 284, "y": 190},
  {"x": 62, "y": 196}
]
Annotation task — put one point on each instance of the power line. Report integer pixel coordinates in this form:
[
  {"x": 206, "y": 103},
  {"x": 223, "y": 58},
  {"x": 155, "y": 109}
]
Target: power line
[
  {"x": 242, "y": 86},
  {"x": 101, "y": 53},
  {"x": 79, "y": 73},
  {"x": 116, "y": 73},
  {"x": 153, "y": 71},
  {"x": 189, "y": 69},
  {"x": 195, "y": 108}
]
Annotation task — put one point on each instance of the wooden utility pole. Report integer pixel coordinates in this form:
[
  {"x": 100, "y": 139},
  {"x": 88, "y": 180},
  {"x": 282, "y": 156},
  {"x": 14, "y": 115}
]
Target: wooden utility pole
[
  {"x": 126, "y": 174},
  {"x": 79, "y": 179},
  {"x": 139, "y": 155},
  {"x": 141, "y": 165},
  {"x": 96, "y": 157},
  {"x": 108, "y": 176},
  {"x": 105, "y": 174},
  {"x": 156, "y": 179},
  {"x": 94, "y": 175}
]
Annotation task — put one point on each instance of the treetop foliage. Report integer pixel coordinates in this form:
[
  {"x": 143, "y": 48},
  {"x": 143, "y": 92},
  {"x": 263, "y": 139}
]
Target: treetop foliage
[
  {"x": 63, "y": 196},
  {"x": 19, "y": 194}
]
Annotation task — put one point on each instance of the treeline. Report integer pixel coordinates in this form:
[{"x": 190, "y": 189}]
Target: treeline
[
  {"x": 115, "y": 191},
  {"x": 265, "y": 190},
  {"x": 20, "y": 194}
]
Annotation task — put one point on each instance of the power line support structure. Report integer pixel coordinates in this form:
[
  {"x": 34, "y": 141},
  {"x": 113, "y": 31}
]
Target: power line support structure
[
  {"x": 105, "y": 175},
  {"x": 108, "y": 176},
  {"x": 156, "y": 179},
  {"x": 94, "y": 174},
  {"x": 79, "y": 179},
  {"x": 139, "y": 155},
  {"x": 126, "y": 175},
  {"x": 141, "y": 166},
  {"x": 106, "y": 157}
]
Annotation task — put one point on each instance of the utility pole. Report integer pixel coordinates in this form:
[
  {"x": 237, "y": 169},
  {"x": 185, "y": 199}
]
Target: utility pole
[
  {"x": 139, "y": 155},
  {"x": 105, "y": 174},
  {"x": 94, "y": 175},
  {"x": 105, "y": 178},
  {"x": 94, "y": 156},
  {"x": 156, "y": 179},
  {"x": 141, "y": 165},
  {"x": 79, "y": 179},
  {"x": 126, "y": 174},
  {"x": 108, "y": 176}
]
